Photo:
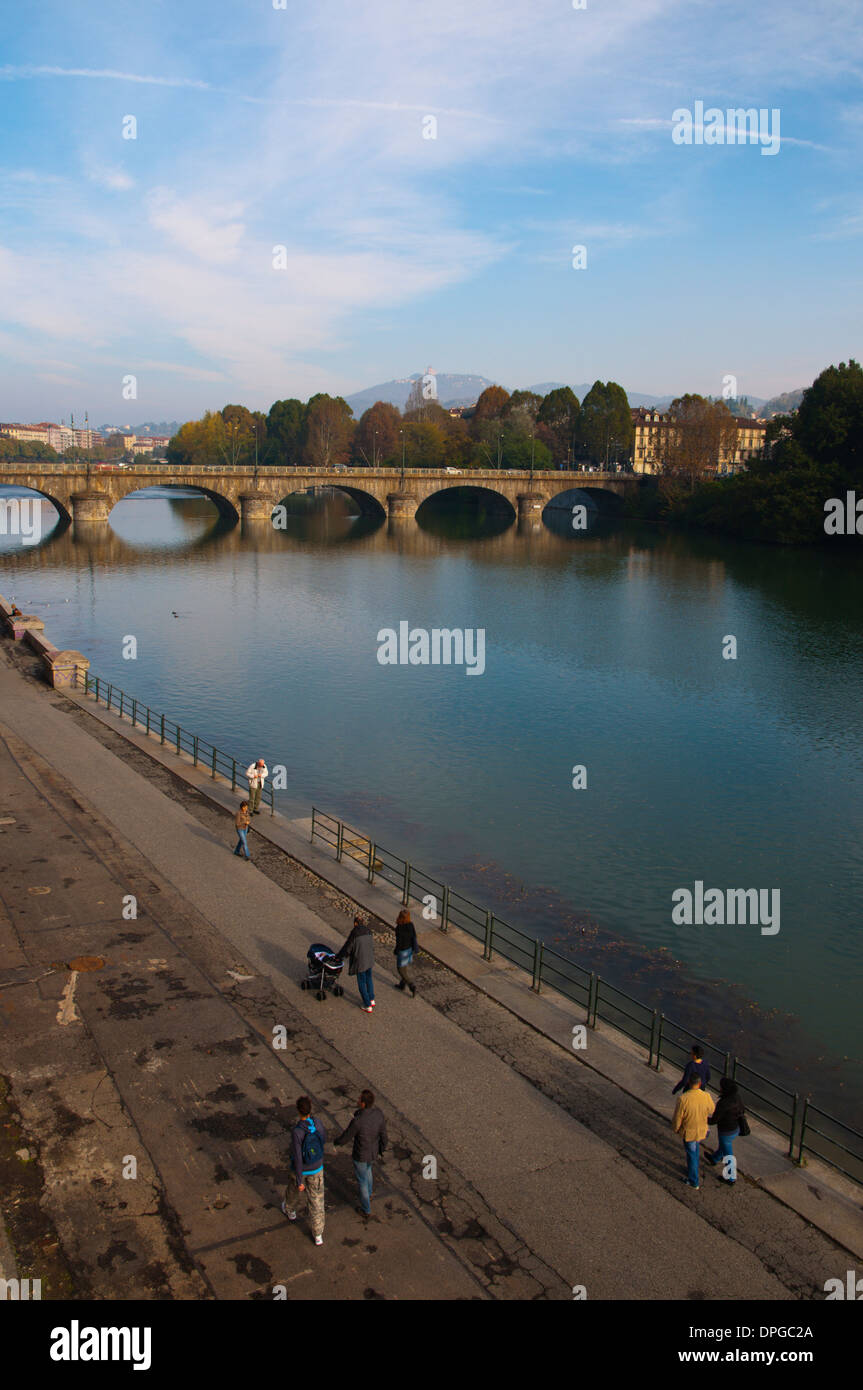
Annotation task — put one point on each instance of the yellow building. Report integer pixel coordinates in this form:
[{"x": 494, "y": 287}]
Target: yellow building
[{"x": 652, "y": 431}]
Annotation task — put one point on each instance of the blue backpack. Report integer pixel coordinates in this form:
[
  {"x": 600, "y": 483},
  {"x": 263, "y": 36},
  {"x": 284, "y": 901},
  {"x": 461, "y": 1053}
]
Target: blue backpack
[{"x": 313, "y": 1149}]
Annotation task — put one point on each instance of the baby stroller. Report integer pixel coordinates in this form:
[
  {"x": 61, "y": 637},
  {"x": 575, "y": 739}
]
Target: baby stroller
[{"x": 324, "y": 968}]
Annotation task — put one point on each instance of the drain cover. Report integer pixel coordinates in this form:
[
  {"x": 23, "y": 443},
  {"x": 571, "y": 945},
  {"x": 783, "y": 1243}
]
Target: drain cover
[{"x": 83, "y": 963}]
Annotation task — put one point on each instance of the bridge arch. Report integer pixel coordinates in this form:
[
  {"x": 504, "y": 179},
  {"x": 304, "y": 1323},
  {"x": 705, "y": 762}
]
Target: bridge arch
[
  {"x": 607, "y": 501},
  {"x": 368, "y": 504},
  {"x": 224, "y": 506},
  {"x": 477, "y": 492},
  {"x": 62, "y": 508}
]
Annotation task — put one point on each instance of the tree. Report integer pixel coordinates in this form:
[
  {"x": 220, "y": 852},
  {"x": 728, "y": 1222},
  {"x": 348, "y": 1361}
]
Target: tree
[
  {"x": 559, "y": 414},
  {"x": 828, "y": 424},
  {"x": 490, "y": 404},
  {"x": 328, "y": 432},
  {"x": 604, "y": 429},
  {"x": 285, "y": 425},
  {"x": 376, "y": 441},
  {"x": 699, "y": 433}
]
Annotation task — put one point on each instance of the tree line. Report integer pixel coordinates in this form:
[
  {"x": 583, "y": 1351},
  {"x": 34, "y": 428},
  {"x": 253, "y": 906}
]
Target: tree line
[
  {"x": 811, "y": 455},
  {"x": 521, "y": 429}
]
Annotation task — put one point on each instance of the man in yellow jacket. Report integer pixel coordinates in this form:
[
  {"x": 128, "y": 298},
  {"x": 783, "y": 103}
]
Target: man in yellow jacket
[{"x": 690, "y": 1122}]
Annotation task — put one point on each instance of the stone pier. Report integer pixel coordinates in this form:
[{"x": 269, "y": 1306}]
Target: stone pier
[
  {"x": 91, "y": 505},
  {"x": 402, "y": 506}
]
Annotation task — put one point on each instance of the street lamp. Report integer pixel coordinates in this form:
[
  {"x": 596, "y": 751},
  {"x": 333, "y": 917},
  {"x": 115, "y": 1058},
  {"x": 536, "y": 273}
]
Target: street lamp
[
  {"x": 532, "y": 452},
  {"x": 402, "y": 479},
  {"x": 375, "y": 450},
  {"x": 499, "y": 438}
]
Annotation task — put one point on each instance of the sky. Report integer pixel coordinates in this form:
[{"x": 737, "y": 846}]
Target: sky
[{"x": 289, "y": 219}]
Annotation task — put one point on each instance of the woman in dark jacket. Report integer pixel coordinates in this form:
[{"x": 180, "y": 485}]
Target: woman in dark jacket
[
  {"x": 406, "y": 944},
  {"x": 726, "y": 1116},
  {"x": 360, "y": 948}
]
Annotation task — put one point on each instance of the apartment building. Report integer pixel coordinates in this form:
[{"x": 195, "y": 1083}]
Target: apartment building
[{"x": 651, "y": 432}]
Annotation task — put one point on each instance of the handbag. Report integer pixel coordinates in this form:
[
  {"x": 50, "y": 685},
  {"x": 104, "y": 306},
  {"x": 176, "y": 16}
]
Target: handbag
[{"x": 744, "y": 1127}]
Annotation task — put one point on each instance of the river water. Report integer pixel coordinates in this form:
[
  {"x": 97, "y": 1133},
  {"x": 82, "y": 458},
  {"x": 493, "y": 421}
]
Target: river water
[{"x": 603, "y": 650}]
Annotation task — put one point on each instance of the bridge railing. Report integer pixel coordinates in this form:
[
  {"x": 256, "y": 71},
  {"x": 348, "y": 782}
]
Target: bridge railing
[
  {"x": 811, "y": 1131},
  {"x": 304, "y": 470}
]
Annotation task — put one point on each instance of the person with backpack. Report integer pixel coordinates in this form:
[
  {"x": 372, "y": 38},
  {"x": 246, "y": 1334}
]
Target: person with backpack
[
  {"x": 360, "y": 948},
  {"x": 406, "y": 944},
  {"x": 307, "y": 1162},
  {"x": 368, "y": 1129},
  {"x": 696, "y": 1066},
  {"x": 729, "y": 1118}
]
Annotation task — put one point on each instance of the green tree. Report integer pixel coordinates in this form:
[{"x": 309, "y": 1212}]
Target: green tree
[
  {"x": 604, "y": 430},
  {"x": 286, "y": 422},
  {"x": 559, "y": 414}
]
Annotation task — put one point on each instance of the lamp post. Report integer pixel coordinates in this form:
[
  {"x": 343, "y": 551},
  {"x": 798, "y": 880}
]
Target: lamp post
[
  {"x": 532, "y": 452},
  {"x": 375, "y": 450},
  {"x": 402, "y": 478},
  {"x": 499, "y": 439}
]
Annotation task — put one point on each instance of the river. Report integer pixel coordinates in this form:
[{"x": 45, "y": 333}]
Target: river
[{"x": 602, "y": 650}]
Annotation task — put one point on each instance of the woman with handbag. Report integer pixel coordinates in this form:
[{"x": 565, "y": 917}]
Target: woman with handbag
[
  {"x": 730, "y": 1120},
  {"x": 406, "y": 944}
]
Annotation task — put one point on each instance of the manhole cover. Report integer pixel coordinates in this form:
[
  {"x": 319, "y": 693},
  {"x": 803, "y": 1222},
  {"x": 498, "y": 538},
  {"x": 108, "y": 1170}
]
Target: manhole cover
[{"x": 82, "y": 963}]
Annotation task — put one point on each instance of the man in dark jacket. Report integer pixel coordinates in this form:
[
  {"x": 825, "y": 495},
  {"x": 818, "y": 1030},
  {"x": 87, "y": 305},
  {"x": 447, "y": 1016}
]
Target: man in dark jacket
[
  {"x": 307, "y": 1161},
  {"x": 360, "y": 949},
  {"x": 368, "y": 1129},
  {"x": 696, "y": 1066},
  {"x": 727, "y": 1116}
]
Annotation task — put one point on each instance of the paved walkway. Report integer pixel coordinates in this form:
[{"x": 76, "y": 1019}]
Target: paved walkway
[{"x": 546, "y": 1202}]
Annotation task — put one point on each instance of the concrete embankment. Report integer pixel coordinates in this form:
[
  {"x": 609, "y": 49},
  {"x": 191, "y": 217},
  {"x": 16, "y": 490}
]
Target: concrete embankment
[{"x": 550, "y": 1173}]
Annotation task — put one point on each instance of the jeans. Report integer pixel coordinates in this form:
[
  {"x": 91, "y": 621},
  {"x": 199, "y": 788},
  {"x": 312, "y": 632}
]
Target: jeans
[
  {"x": 243, "y": 843},
  {"x": 365, "y": 1181},
  {"x": 367, "y": 989},
  {"x": 403, "y": 960},
  {"x": 724, "y": 1152},
  {"x": 691, "y": 1147}
]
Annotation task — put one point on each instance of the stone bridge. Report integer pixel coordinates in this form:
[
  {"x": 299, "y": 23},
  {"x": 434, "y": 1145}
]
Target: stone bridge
[{"x": 85, "y": 493}]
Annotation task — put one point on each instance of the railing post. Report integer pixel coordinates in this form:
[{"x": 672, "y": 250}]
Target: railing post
[
  {"x": 179, "y": 731},
  {"x": 340, "y": 835},
  {"x": 272, "y": 801},
  {"x": 407, "y": 888},
  {"x": 195, "y": 750},
  {"x": 108, "y": 701},
  {"x": 148, "y": 719},
  {"x": 653, "y": 1022},
  {"x": 371, "y": 861},
  {"x": 86, "y": 682},
  {"x": 802, "y": 1127},
  {"x": 591, "y": 991},
  {"x": 537, "y": 966},
  {"x": 121, "y": 704},
  {"x": 233, "y": 774},
  {"x": 799, "y": 1158},
  {"x": 489, "y": 933},
  {"x": 134, "y": 714},
  {"x": 97, "y": 689},
  {"x": 214, "y": 763},
  {"x": 444, "y": 921},
  {"x": 163, "y": 728},
  {"x": 312, "y": 839},
  {"x": 725, "y": 1064}
]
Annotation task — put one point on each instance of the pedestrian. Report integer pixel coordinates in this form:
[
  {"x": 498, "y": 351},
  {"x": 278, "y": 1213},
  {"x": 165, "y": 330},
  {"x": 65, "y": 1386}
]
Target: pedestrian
[
  {"x": 690, "y": 1122},
  {"x": 728, "y": 1118},
  {"x": 308, "y": 1138},
  {"x": 360, "y": 948},
  {"x": 257, "y": 774},
  {"x": 368, "y": 1129},
  {"x": 696, "y": 1066},
  {"x": 241, "y": 821},
  {"x": 406, "y": 944}
]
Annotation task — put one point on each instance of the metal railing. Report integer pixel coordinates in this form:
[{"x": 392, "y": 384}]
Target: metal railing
[
  {"x": 809, "y": 1129},
  {"x": 169, "y": 734}
]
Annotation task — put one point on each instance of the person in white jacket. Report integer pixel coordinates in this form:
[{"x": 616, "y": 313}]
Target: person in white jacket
[{"x": 257, "y": 774}]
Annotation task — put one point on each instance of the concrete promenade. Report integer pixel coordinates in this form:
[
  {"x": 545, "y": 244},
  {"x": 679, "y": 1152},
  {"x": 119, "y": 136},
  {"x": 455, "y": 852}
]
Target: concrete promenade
[{"x": 550, "y": 1173}]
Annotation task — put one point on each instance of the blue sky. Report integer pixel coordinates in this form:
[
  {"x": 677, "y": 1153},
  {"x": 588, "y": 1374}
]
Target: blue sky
[{"x": 302, "y": 127}]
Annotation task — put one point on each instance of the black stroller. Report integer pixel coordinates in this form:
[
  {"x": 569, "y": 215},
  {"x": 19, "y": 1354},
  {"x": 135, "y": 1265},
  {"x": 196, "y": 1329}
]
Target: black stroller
[{"x": 324, "y": 968}]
